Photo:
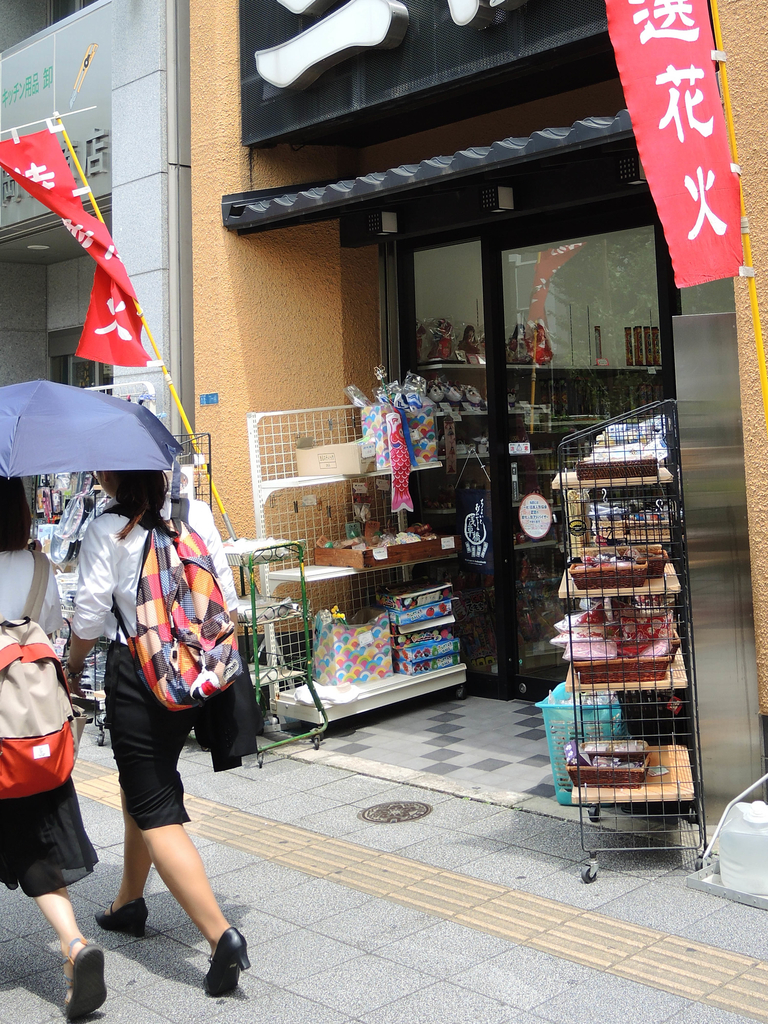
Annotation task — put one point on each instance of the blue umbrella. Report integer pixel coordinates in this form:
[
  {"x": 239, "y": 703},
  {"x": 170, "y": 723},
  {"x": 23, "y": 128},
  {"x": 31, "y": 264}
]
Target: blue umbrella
[{"x": 55, "y": 428}]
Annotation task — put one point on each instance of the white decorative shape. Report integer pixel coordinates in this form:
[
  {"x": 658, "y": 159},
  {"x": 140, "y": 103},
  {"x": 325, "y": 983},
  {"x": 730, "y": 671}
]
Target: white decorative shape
[
  {"x": 310, "y": 7},
  {"x": 358, "y": 25},
  {"x": 475, "y": 13}
]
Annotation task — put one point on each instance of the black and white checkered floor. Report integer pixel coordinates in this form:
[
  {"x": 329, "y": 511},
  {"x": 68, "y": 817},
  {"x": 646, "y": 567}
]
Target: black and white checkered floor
[{"x": 481, "y": 743}]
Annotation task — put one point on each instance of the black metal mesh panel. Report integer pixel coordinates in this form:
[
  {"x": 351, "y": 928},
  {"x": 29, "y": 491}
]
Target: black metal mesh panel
[{"x": 434, "y": 52}]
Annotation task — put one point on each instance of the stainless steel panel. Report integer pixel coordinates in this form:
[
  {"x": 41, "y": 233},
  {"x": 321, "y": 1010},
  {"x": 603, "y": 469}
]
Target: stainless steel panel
[{"x": 706, "y": 368}]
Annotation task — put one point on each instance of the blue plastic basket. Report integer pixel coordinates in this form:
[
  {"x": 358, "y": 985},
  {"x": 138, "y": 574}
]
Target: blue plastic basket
[{"x": 598, "y": 723}]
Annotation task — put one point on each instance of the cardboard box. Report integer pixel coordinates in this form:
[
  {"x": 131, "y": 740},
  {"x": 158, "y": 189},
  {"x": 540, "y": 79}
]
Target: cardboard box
[
  {"x": 412, "y": 668},
  {"x": 426, "y": 651},
  {"x": 414, "y": 593},
  {"x": 382, "y": 557},
  {"x": 335, "y": 460}
]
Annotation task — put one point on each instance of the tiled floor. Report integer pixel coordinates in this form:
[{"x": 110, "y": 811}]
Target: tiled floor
[{"x": 484, "y": 743}]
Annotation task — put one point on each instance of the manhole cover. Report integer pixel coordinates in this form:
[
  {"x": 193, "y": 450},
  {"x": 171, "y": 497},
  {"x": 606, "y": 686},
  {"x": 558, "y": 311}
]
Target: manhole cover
[{"x": 397, "y": 810}]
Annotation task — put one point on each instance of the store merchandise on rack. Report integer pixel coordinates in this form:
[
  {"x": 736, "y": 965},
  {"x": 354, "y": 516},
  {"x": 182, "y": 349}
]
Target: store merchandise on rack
[
  {"x": 627, "y": 633},
  {"x": 358, "y": 545}
]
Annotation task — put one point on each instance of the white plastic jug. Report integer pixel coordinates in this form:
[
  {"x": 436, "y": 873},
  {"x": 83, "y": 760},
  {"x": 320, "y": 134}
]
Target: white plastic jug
[{"x": 744, "y": 848}]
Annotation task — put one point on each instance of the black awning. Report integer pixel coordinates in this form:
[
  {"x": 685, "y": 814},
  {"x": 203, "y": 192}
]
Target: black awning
[{"x": 268, "y": 208}]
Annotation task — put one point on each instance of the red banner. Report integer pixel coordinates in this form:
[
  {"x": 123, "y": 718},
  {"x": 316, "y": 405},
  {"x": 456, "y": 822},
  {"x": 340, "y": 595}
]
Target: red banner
[
  {"x": 664, "y": 55},
  {"x": 112, "y": 331},
  {"x": 38, "y": 164}
]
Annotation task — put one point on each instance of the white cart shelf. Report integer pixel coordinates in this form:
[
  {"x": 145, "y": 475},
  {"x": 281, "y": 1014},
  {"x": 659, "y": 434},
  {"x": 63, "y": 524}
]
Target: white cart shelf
[{"x": 272, "y": 440}]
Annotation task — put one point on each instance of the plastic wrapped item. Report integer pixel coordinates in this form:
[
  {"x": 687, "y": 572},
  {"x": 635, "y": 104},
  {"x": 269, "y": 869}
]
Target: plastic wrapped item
[
  {"x": 590, "y": 649},
  {"x": 356, "y": 396}
]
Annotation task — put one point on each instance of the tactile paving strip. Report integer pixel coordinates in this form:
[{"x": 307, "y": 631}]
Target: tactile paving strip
[{"x": 695, "y": 971}]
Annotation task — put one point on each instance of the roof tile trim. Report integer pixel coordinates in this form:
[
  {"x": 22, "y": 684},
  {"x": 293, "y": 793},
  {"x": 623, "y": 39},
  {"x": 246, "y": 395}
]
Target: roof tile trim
[{"x": 240, "y": 214}]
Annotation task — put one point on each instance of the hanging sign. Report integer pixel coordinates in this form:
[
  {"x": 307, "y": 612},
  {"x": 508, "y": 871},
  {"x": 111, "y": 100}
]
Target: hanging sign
[
  {"x": 473, "y": 511},
  {"x": 664, "y": 55},
  {"x": 535, "y": 515}
]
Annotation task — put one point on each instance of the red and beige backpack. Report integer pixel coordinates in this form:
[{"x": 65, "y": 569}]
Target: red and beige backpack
[{"x": 36, "y": 744}]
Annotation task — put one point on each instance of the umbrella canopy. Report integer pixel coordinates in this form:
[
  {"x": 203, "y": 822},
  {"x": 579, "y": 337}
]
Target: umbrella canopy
[{"x": 55, "y": 428}]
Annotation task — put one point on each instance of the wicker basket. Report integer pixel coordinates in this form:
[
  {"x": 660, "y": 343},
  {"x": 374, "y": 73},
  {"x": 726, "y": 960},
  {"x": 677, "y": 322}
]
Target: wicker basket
[
  {"x": 625, "y": 777},
  {"x": 654, "y": 554},
  {"x": 616, "y": 469},
  {"x": 609, "y": 575},
  {"x": 623, "y": 671}
]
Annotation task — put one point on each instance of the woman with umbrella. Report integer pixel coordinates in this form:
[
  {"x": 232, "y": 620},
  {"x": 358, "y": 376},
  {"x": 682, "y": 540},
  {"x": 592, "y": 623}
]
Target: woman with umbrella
[
  {"x": 147, "y": 738},
  {"x": 43, "y": 845}
]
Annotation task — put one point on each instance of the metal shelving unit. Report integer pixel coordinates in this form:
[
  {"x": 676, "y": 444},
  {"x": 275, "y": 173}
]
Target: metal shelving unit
[
  {"x": 304, "y": 508},
  {"x": 643, "y": 788}
]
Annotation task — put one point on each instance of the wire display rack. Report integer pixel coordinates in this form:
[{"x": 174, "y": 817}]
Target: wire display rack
[
  {"x": 303, "y": 509},
  {"x": 629, "y": 635},
  {"x": 196, "y": 452}
]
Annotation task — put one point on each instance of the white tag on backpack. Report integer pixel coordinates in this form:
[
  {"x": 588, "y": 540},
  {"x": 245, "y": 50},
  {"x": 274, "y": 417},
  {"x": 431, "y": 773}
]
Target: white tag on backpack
[{"x": 43, "y": 750}]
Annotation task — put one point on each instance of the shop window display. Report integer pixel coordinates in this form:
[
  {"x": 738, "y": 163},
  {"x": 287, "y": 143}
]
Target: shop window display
[{"x": 581, "y": 342}]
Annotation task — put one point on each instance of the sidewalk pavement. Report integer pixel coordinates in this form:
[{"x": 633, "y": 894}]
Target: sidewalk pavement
[{"x": 474, "y": 913}]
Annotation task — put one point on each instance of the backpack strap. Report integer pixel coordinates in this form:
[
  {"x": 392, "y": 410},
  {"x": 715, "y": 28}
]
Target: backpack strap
[{"x": 36, "y": 595}]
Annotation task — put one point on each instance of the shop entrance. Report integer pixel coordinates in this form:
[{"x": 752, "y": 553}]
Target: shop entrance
[{"x": 524, "y": 339}]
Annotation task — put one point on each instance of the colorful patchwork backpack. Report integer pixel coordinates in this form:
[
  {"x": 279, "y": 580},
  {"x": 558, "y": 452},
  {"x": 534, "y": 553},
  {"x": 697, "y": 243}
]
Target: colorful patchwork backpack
[
  {"x": 36, "y": 744},
  {"x": 185, "y": 648}
]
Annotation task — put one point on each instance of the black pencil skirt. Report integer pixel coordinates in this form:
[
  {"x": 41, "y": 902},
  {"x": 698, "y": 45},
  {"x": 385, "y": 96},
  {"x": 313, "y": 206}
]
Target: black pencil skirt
[{"x": 147, "y": 740}]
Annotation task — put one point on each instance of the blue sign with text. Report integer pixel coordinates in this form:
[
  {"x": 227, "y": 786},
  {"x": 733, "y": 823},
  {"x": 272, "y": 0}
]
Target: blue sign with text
[{"x": 210, "y": 399}]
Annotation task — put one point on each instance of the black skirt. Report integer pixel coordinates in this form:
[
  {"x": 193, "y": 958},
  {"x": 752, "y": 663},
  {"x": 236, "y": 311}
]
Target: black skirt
[
  {"x": 43, "y": 845},
  {"x": 147, "y": 740}
]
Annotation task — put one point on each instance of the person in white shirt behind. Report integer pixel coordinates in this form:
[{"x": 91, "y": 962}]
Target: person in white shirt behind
[{"x": 147, "y": 738}]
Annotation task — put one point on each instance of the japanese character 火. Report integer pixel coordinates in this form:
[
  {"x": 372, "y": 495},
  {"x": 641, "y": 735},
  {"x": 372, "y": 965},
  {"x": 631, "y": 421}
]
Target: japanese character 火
[
  {"x": 674, "y": 78},
  {"x": 115, "y": 326},
  {"x": 698, "y": 192}
]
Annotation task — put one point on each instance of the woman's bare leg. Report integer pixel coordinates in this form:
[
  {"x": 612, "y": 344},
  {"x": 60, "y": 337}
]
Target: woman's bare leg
[
  {"x": 179, "y": 865},
  {"x": 136, "y": 861},
  {"x": 58, "y": 912}
]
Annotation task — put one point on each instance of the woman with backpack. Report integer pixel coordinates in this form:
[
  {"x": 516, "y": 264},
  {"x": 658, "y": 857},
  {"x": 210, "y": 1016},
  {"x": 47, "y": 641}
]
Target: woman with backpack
[
  {"x": 147, "y": 737},
  {"x": 43, "y": 845}
]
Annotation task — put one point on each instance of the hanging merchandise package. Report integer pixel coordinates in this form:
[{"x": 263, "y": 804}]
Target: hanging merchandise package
[
  {"x": 421, "y": 424},
  {"x": 351, "y": 653}
]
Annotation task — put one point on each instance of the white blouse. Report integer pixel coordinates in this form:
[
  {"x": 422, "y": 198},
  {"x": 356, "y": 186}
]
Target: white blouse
[
  {"x": 16, "y": 572},
  {"x": 109, "y": 568}
]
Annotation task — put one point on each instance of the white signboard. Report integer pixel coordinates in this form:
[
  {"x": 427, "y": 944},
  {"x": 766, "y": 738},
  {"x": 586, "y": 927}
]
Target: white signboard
[{"x": 535, "y": 516}]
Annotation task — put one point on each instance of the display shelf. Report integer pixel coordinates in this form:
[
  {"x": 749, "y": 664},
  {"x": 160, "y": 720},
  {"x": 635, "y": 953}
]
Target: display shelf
[
  {"x": 549, "y": 368},
  {"x": 676, "y": 678},
  {"x": 375, "y": 694},
  {"x": 269, "y": 486},
  {"x": 461, "y": 412},
  {"x": 666, "y": 584},
  {"x": 526, "y": 545},
  {"x": 673, "y": 787},
  {"x": 440, "y": 511},
  {"x": 573, "y": 483},
  {"x": 451, "y": 366}
]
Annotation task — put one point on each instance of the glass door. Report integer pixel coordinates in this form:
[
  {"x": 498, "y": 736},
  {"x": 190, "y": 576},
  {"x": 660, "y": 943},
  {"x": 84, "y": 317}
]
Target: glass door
[
  {"x": 450, "y": 354},
  {"x": 581, "y": 344}
]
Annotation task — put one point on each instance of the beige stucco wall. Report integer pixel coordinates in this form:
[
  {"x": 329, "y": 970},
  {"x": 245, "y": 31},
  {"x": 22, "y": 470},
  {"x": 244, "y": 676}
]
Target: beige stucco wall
[
  {"x": 746, "y": 43},
  {"x": 285, "y": 319}
]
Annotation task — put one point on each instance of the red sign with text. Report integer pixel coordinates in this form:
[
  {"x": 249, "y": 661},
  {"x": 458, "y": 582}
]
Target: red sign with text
[
  {"x": 664, "y": 55},
  {"x": 112, "y": 331}
]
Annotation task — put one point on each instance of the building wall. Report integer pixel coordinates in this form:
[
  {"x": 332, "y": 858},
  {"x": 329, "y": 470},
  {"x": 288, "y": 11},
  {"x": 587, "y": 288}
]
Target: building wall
[
  {"x": 69, "y": 292},
  {"x": 285, "y": 319},
  {"x": 747, "y": 67},
  {"x": 20, "y": 20},
  {"x": 23, "y": 339}
]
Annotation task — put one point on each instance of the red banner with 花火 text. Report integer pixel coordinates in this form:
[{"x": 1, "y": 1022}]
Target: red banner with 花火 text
[{"x": 664, "y": 54}]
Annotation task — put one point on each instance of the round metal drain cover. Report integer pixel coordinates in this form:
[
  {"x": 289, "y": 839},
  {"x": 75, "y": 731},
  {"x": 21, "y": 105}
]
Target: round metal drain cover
[{"x": 397, "y": 810}]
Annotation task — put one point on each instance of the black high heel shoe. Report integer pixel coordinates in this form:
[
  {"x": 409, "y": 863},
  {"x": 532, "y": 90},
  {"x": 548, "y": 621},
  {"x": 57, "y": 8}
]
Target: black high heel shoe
[
  {"x": 230, "y": 958},
  {"x": 130, "y": 918}
]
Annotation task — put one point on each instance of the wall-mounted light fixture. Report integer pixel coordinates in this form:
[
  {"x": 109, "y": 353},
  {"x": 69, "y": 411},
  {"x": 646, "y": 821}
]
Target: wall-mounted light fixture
[
  {"x": 630, "y": 170},
  {"x": 496, "y": 198},
  {"x": 382, "y": 222}
]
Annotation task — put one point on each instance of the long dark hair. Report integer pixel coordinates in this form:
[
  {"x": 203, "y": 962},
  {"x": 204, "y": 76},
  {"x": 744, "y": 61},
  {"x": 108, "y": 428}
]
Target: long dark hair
[
  {"x": 15, "y": 517},
  {"x": 141, "y": 492}
]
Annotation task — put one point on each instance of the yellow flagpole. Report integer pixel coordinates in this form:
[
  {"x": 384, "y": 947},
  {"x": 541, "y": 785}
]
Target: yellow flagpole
[
  {"x": 751, "y": 284},
  {"x": 166, "y": 374}
]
